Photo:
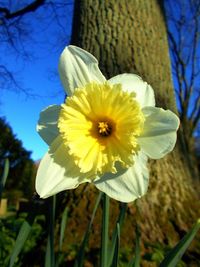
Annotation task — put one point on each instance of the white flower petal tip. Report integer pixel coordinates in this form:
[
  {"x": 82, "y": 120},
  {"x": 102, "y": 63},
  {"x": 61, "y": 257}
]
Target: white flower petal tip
[
  {"x": 127, "y": 185},
  {"x": 160, "y": 132},
  {"x": 57, "y": 172},
  {"x": 47, "y": 124},
  {"x": 77, "y": 67},
  {"x": 134, "y": 83}
]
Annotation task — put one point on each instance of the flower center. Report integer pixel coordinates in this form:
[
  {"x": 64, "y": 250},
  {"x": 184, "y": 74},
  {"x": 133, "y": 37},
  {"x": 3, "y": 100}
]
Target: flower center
[{"x": 104, "y": 128}]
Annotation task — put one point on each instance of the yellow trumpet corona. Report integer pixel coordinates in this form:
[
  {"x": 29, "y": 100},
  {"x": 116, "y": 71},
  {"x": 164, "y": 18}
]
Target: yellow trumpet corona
[{"x": 100, "y": 124}]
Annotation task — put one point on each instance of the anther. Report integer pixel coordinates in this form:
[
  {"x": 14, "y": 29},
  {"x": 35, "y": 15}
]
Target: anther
[{"x": 104, "y": 129}]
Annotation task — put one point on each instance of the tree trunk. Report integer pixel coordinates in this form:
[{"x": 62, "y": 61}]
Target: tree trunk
[{"x": 130, "y": 37}]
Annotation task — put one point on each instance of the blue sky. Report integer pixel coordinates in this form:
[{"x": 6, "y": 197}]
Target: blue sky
[{"x": 39, "y": 75}]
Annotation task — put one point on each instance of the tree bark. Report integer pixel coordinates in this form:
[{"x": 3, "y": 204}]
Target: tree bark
[{"x": 130, "y": 36}]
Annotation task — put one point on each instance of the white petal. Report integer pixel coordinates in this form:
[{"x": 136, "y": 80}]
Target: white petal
[
  {"x": 47, "y": 124},
  {"x": 126, "y": 186},
  {"x": 134, "y": 83},
  {"x": 159, "y": 134},
  {"x": 56, "y": 171},
  {"x": 77, "y": 67}
]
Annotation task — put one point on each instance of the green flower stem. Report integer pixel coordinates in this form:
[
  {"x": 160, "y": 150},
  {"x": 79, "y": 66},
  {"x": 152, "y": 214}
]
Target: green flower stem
[
  {"x": 116, "y": 252},
  {"x": 116, "y": 232},
  {"x": 62, "y": 227},
  {"x": 135, "y": 260},
  {"x": 50, "y": 254},
  {"x": 104, "y": 232}
]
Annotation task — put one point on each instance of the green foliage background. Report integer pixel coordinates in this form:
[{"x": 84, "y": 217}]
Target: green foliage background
[{"x": 20, "y": 182}]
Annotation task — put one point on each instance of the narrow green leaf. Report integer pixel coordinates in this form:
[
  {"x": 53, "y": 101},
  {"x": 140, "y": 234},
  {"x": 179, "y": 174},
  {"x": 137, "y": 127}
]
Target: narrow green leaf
[
  {"x": 135, "y": 261},
  {"x": 63, "y": 226},
  {"x": 50, "y": 254},
  {"x": 174, "y": 256},
  {"x": 116, "y": 251},
  {"x": 104, "y": 232},
  {"x": 21, "y": 238},
  {"x": 120, "y": 220},
  {"x": 4, "y": 176},
  {"x": 80, "y": 257}
]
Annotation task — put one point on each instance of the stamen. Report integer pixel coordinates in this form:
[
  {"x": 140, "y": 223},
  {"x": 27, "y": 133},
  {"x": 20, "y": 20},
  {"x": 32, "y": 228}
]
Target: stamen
[{"x": 104, "y": 128}]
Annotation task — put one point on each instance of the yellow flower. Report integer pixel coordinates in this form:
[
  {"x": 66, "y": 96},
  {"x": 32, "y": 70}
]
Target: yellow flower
[{"x": 103, "y": 133}]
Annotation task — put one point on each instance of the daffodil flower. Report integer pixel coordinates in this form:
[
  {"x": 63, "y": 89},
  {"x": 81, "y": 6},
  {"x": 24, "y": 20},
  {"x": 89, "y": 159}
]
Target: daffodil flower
[{"x": 103, "y": 133}]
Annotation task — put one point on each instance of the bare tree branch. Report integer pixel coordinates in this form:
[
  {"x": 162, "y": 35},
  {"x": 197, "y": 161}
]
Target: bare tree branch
[
  {"x": 29, "y": 8},
  {"x": 184, "y": 41},
  {"x": 17, "y": 35}
]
